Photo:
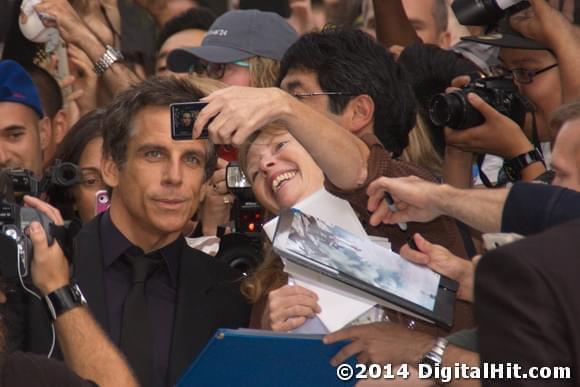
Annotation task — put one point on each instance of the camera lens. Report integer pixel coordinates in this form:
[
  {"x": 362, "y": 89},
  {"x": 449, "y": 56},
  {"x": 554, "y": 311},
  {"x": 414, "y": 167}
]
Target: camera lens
[
  {"x": 446, "y": 110},
  {"x": 66, "y": 175},
  {"x": 454, "y": 111}
]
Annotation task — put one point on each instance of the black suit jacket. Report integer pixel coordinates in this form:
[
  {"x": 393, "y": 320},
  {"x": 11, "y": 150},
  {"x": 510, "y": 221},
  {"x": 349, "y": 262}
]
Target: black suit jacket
[
  {"x": 208, "y": 298},
  {"x": 527, "y": 303}
]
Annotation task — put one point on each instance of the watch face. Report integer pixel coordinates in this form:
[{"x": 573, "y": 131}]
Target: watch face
[{"x": 78, "y": 295}]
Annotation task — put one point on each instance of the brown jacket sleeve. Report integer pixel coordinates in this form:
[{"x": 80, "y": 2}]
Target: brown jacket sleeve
[{"x": 442, "y": 231}]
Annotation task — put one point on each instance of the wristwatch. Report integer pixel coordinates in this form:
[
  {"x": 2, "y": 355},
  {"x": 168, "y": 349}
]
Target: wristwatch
[
  {"x": 63, "y": 300},
  {"x": 110, "y": 56},
  {"x": 513, "y": 167},
  {"x": 434, "y": 357}
]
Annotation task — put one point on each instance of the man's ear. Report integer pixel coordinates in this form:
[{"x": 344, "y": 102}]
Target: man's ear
[
  {"x": 59, "y": 126},
  {"x": 362, "y": 113},
  {"x": 44, "y": 132},
  {"x": 110, "y": 172}
]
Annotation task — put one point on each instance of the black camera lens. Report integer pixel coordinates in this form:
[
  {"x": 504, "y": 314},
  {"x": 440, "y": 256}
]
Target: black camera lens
[
  {"x": 66, "y": 175},
  {"x": 454, "y": 111}
]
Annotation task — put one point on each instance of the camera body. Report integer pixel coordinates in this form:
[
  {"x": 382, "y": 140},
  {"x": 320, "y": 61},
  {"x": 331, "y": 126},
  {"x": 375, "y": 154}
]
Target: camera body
[
  {"x": 485, "y": 12},
  {"x": 242, "y": 248},
  {"x": 454, "y": 110},
  {"x": 60, "y": 175},
  {"x": 15, "y": 245}
]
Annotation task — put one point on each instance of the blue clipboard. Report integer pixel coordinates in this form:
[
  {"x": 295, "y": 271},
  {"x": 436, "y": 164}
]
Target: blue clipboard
[{"x": 247, "y": 357}]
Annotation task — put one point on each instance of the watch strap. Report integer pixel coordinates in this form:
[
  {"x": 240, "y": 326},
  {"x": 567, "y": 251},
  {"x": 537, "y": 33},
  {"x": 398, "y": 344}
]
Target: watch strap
[
  {"x": 434, "y": 357},
  {"x": 110, "y": 56},
  {"x": 64, "y": 299},
  {"x": 513, "y": 167}
]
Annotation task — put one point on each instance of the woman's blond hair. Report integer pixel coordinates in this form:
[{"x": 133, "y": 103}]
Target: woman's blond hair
[{"x": 421, "y": 150}]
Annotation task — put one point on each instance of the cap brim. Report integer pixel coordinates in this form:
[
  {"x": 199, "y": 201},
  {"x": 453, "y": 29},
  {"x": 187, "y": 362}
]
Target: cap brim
[
  {"x": 181, "y": 59},
  {"x": 506, "y": 41}
]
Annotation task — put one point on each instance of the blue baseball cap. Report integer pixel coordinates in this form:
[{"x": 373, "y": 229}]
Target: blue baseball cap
[{"x": 17, "y": 86}]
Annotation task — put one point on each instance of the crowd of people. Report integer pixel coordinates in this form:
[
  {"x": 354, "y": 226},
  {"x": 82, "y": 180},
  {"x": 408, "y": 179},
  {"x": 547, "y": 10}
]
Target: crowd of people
[{"x": 472, "y": 130}]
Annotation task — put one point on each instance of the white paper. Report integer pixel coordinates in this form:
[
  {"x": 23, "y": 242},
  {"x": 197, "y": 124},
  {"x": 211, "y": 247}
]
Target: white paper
[
  {"x": 338, "y": 307},
  {"x": 328, "y": 207}
]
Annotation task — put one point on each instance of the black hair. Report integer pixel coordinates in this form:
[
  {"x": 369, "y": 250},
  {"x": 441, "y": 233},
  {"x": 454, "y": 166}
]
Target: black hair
[
  {"x": 155, "y": 91},
  {"x": 348, "y": 60},
  {"x": 198, "y": 18},
  {"x": 86, "y": 129},
  {"x": 430, "y": 69},
  {"x": 48, "y": 89}
]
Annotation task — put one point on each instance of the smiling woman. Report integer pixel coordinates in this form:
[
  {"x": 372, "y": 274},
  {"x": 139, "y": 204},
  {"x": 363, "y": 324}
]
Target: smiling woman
[{"x": 281, "y": 171}]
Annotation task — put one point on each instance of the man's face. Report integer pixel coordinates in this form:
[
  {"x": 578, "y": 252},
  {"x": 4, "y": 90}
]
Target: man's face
[
  {"x": 21, "y": 142},
  {"x": 185, "y": 38},
  {"x": 420, "y": 15},
  {"x": 545, "y": 89},
  {"x": 159, "y": 187},
  {"x": 300, "y": 81},
  {"x": 566, "y": 156}
]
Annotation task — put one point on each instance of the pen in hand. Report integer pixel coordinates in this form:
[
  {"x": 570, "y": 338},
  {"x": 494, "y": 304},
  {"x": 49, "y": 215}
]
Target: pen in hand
[{"x": 393, "y": 208}]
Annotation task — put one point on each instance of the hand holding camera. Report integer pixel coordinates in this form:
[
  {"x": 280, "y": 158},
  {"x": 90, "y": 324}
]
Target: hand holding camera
[
  {"x": 49, "y": 266},
  {"x": 485, "y": 116}
]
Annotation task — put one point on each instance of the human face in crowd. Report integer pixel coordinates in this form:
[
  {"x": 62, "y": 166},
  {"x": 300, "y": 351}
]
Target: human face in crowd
[
  {"x": 545, "y": 90},
  {"x": 85, "y": 193},
  {"x": 236, "y": 75},
  {"x": 300, "y": 81},
  {"x": 566, "y": 156},
  {"x": 186, "y": 38},
  {"x": 420, "y": 15},
  {"x": 281, "y": 171},
  {"x": 21, "y": 138},
  {"x": 186, "y": 119},
  {"x": 159, "y": 186}
]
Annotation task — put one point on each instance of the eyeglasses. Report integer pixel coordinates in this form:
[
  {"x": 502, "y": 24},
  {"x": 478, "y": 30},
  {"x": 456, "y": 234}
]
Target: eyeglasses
[
  {"x": 214, "y": 70},
  {"x": 522, "y": 76},
  {"x": 313, "y": 94}
]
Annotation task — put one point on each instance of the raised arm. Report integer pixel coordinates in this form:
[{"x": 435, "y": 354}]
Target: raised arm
[{"x": 87, "y": 350}]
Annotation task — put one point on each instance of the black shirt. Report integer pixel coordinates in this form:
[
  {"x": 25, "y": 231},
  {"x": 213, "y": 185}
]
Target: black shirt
[
  {"x": 160, "y": 291},
  {"x": 532, "y": 207},
  {"x": 31, "y": 370}
]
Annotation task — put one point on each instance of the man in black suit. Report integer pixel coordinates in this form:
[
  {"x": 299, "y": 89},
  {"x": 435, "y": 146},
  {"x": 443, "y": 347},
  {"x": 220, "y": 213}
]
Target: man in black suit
[
  {"x": 159, "y": 300},
  {"x": 527, "y": 304}
]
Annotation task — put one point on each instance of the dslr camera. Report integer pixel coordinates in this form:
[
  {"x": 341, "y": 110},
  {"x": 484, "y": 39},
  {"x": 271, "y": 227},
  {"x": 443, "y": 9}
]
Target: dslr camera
[
  {"x": 486, "y": 12},
  {"x": 23, "y": 181},
  {"x": 242, "y": 248},
  {"x": 455, "y": 111}
]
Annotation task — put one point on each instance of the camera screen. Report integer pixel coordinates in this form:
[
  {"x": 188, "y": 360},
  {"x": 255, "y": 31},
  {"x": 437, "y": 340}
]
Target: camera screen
[{"x": 183, "y": 116}]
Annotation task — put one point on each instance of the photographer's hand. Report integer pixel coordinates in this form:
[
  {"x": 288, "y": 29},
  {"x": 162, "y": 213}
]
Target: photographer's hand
[
  {"x": 498, "y": 135},
  {"x": 49, "y": 267}
]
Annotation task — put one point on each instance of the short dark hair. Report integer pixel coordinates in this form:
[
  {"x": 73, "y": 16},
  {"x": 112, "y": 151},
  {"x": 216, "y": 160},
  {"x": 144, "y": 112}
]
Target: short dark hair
[
  {"x": 48, "y": 89},
  {"x": 155, "y": 91},
  {"x": 199, "y": 18},
  {"x": 440, "y": 14},
  {"x": 350, "y": 61}
]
